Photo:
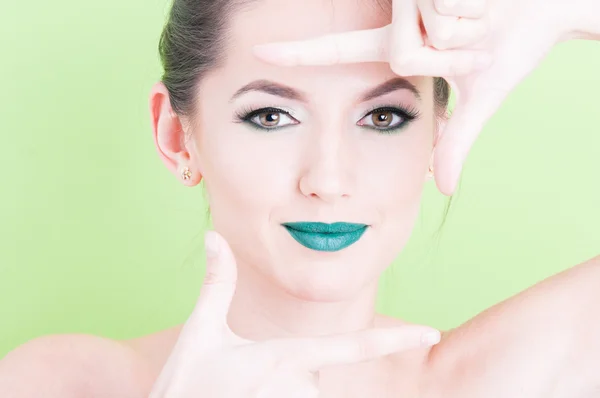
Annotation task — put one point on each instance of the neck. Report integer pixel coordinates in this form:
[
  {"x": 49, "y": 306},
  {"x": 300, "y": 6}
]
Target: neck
[{"x": 261, "y": 310}]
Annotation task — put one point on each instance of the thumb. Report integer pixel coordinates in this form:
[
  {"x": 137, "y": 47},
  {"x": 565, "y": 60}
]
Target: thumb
[
  {"x": 218, "y": 287},
  {"x": 473, "y": 110}
]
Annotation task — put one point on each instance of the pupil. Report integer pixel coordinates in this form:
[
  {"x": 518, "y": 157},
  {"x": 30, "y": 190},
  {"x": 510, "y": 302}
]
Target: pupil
[
  {"x": 270, "y": 119},
  {"x": 382, "y": 119}
]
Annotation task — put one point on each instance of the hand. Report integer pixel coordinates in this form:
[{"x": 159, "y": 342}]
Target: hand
[
  {"x": 519, "y": 34},
  {"x": 209, "y": 360}
]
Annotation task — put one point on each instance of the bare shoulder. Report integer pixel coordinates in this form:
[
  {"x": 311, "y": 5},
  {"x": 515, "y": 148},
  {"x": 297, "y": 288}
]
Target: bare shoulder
[
  {"x": 75, "y": 366},
  {"x": 543, "y": 336},
  {"x": 154, "y": 349}
]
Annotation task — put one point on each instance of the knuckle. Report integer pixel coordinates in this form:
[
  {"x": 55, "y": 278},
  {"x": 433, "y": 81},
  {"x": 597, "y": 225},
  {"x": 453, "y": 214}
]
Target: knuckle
[
  {"x": 381, "y": 51},
  {"x": 212, "y": 277},
  {"x": 439, "y": 32},
  {"x": 336, "y": 50},
  {"x": 364, "y": 347}
]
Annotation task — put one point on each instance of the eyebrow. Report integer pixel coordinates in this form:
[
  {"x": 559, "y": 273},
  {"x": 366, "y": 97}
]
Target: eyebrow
[
  {"x": 272, "y": 88},
  {"x": 395, "y": 84},
  {"x": 280, "y": 90}
]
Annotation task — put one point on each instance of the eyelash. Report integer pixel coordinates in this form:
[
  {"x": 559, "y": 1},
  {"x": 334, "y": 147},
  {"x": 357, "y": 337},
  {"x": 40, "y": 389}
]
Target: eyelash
[
  {"x": 246, "y": 115},
  {"x": 407, "y": 113}
]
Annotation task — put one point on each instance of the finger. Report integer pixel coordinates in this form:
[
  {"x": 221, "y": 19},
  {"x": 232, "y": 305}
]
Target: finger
[
  {"x": 445, "y": 32},
  {"x": 460, "y": 33},
  {"x": 438, "y": 28},
  {"x": 406, "y": 37},
  {"x": 432, "y": 62},
  {"x": 461, "y": 8},
  {"x": 314, "y": 354},
  {"x": 461, "y": 131},
  {"x": 218, "y": 286},
  {"x": 350, "y": 47}
]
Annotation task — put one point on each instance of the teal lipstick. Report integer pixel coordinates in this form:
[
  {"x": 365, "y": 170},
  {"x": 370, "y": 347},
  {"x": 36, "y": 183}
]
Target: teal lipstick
[{"x": 325, "y": 237}]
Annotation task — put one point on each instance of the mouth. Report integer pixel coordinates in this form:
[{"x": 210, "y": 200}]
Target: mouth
[{"x": 325, "y": 237}]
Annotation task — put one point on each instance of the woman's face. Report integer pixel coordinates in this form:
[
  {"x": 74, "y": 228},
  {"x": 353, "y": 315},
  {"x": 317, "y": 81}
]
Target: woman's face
[{"x": 280, "y": 145}]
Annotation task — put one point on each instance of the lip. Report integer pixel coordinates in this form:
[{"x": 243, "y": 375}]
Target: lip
[{"x": 326, "y": 237}]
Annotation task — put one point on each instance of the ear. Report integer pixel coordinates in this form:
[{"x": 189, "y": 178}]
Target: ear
[
  {"x": 169, "y": 136},
  {"x": 440, "y": 125}
]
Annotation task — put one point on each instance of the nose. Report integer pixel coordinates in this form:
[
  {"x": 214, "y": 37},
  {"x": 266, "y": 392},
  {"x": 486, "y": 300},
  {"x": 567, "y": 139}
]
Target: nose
[{"x": 328, "y": 172}]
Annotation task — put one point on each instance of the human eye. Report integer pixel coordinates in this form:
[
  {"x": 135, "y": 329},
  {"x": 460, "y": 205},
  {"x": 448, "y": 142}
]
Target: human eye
[
  {"x": 266, "y": 118},
  {"x": 389, "y": 119}
]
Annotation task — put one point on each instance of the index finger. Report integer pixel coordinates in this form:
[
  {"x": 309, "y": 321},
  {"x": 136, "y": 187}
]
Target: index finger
[
  {"x": 314, "y": 354},
  {"x": 340, "y": 48},
  {"x": 406, "y": 35}
]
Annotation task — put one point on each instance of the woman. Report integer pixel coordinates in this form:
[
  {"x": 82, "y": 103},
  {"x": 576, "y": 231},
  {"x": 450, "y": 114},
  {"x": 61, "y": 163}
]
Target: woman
[{"x": 314, "y": 176}]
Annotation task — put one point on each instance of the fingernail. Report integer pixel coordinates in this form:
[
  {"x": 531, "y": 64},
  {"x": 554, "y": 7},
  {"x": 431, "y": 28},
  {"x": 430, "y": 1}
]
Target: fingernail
[
  {"x": 431, "y": 338},
  {"x": 275, "y": 54},
  {"x": 211, "y": 245}
]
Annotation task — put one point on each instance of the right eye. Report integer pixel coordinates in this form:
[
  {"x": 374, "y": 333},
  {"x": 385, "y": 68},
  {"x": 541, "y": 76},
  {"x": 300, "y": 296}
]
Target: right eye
[{"x": 270, "y": 118}]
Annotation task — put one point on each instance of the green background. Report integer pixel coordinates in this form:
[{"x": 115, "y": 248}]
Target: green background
[{"x": 98, "y": 237}]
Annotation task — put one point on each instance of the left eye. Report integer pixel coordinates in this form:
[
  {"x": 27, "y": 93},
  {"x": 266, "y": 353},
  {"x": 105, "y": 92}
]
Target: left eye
[
  {"x": 382, "y": 119},
  {"x": 272, "y": 119}
]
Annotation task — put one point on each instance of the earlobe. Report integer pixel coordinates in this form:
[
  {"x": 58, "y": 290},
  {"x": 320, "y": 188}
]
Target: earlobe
[{"x": 169, "y": 137}]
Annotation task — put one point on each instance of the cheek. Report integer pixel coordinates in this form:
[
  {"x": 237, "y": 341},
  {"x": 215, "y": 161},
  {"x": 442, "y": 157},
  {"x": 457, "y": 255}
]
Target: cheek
[
  {"x": 396, "y": 180},
  {"x": 237, "y": 177},
  {"x": 396, "y": 172}
]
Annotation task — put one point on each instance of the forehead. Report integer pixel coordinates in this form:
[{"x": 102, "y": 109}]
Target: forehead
[
  {"x": 297, "y": 19},
  {"x": 264, "y": 21}
]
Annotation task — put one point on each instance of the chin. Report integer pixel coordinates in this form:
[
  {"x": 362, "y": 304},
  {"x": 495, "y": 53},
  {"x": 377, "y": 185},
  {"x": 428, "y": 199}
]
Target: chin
[
  {"x": 329, "y": 295},
  {"x": 326, "y": 287}
]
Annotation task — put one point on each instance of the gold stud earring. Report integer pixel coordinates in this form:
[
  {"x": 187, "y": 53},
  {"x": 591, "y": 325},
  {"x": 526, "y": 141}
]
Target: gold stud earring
[
  {"x": 186, "y": 174},
  {"x": 430, "y": 172}
]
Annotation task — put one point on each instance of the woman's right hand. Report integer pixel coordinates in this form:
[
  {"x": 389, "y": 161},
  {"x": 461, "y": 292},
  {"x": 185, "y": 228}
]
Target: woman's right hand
[
  {"x": 483, "y": 48},
  {"x": 210, "y": 361}
]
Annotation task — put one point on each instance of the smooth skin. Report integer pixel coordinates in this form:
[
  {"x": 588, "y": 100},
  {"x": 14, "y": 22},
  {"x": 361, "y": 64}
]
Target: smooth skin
[{"x": 540, "y": 343}]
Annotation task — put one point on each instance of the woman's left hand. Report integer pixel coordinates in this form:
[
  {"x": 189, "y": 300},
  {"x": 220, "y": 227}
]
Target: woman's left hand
[{"x": 516, "y": 33}]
